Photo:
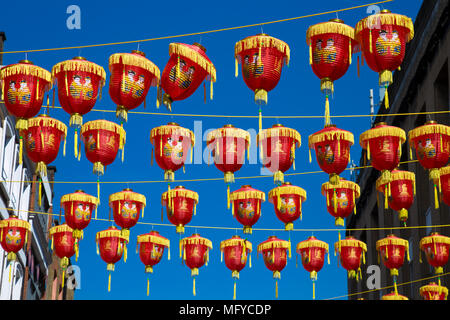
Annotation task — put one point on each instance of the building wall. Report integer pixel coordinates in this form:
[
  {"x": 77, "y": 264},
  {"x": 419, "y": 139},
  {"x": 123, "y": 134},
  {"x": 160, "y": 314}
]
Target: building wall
[{"x": 422, "y": 85}]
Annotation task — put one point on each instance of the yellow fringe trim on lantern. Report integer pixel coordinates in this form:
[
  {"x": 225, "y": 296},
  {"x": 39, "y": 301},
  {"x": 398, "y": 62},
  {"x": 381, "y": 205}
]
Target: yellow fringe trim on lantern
[
  {"x": 262, "y": 41},
  {"x": 108, "y": 126},
  {"x": 159, "y": 240},
  {"x": 179, "y": 192},
  {"x": 111, "y": 233},
  {"x": 349, "y": 243},
  {"x": 227, "y": 133},
  {"x": 136, "y": 61},
  {"x": 329, "y": 27},
  {"x": 397, "y": 175},
  {"x": 394, "y": 297},
  {"x": 341, "y": 185},
  {"x": 26, "y": 69},
  {"x": 385, "y": 18},
  {"x": 45, "y": 121},
  {"x": 184, "y": 51},
  {"x": 79, "y": 65},
  {"x": 283, "y": 244},
  {"x": 127, "y": 195},
  {"x": 428, "y": 129},
  {"x": 395, "y": 241},
  {"x": 196, "y": 240},
  {"x": 279, "y": 132},
  {"x": 240, "y": 195},
  {"x": 61, "y": 228},
  {"x": 312, "y": 244},
  {"x": 286, "y": 189},
  {"x": 172, "y": 130},
  {"x": 435, "y": 289},
  {"x": 388, "y": 131},
  {"x": 434, "y": 239},
  {"x": 8, "y": 223},
  {"x": 247, "y": 245},
  {"x": 71, "y": 197},
  {"x": 338, "y": 134}
]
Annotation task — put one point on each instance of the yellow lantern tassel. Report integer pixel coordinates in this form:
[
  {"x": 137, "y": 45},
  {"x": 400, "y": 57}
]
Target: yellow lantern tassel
[
  {"x": 3, "y": 91},
  {"x": 228, "y": 197},
  {"x": 52, "y": 244},
  {"x": 98, "y": 191},
  {"x": 211, "y": 90},
  {"x": 20, "y": 149},
  {"x": 386, "y": 97},
  {"x": 109, "y": 282},
  {"x": 327, "y": 110},
  {"x": 310, "y": 54},
  {"x": 40, "y": 192},
  {"x": 276, "y": 289},
  {"x": 160, "y": 147},
  {"x": 67, "y": 85},
  {"x": 62, "y": 278},
  {"x": 328, "y": 199},
  {"x": 368, "y": 150},
  {"x": 410, "y": 153},
  {"x": 370, "y": 40},
  {"x": 178, "y": 67},
  {"x": 168, "y": 253},
  {"x": 236, "y": 67},
  {"x": 386, "y": 197},
  {"x": 349, "y": 51},
  {"x": 234, "y": 290},
  {"x": 192, "y": 152},
  {"x": 293, "y": 155},
  {"x": 148, "y": 286},
  {"x": 75, "y": 143},
  {"x": 123, "y": 153},
  {"x": 64, "y": 147},
  {"x": 260, "y": 120},
  {"x": 441, "y": 144},
  {"x": 334, "y": 200},
  {"x": 193, "y": 286},
  {"x": 10, "y": 268},
  {"x": 195, "y": 209},
  {"x": 436, "y": 198},
  {"x": 249, "y": 260},
  {"x": 314, "y": 290},
  {"x": 354, "y": 202},
  {"x": 289, "y": 248},
  {"x": 310, "y": 159}
]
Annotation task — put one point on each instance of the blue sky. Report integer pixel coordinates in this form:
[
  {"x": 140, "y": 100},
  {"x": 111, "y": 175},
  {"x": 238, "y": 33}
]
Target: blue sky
[{"x": 36, "y": 24}]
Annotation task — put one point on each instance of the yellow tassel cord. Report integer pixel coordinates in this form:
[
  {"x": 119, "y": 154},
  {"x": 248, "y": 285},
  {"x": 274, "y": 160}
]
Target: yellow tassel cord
[
  {"x": 436, "y": 198},
  {"x": 370, "y": 40},
  {"x": 40, "y": 192},
  {"x": 368, "y": 150},
  {"x": 148, "y": 286},
  {"x": 276, "y": 289},
  {"x": 314, "y": 290},
  {"x": 293, "y": 156},
  {"x": 334, "y": 201},
  {"x": 310, "y": 54},
  {"x": 234, "y": 290},
  {"x": 20, "y": 149},
  {"x": 327, "y": 110},
  {"x": 211, "y": 90},
  {"x": 349, "y": 51},
  {"x": 228, "y": 197},
  {"x": 310, "y": 159},
  {"x": 236, "y": 72},
  {"x": 193, "y": 287},
  {"x": 109, "y": 282},
  {"x": 75, "y": 143},
  {"x": 354, "y": 202},
  {"x": 260, "y": 121},
  {"x": 386, "y": 97}
]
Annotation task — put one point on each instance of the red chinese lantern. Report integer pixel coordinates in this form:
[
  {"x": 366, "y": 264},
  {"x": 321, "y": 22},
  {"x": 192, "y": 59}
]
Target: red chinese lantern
[
  {"x": 383, "y": 37},
  {"x": 351, "y": 254},
  {"x": 399, "y": 192},
  {"x": 445, "y": 184},
  {"x": 432, "y": 291},
  {"x": 194, "y": 251},
  {"x": 383, "y": 144},
  {"x": 78, "y": 208},
  {"x": 312, "y": 251},
  {"x": 151, "y": 249},
  {"x": 63, "y": 245},
  {"x": 13, "y": 237},
  {"x": 332, "y": 147},
  {"x": 171, "y": 144},
  {"x": 180, "y": 205},
  {"x": 436, "y": 248},
  {"x": 186, "y": 69},
  {"x": 127, "y": 206},
  {"x": 111, "y": 245},
  {"x": 79, "y": 84},
  {"x": 277, "y": 149},
  {"x": 331, "y": 45},
  {"x": 246, "y": 206},
  {"x": 432, "y": 144},
  {"x": 228, "y": 145},
  {"x": 392, "y": 251},
  {"x": 236, "y": 251},
  {"x": 394, "y": 296},
  {"x": 23, "y": 89},
  {"x": 132, "y": 75},
  {"x": 274, "y": 252},
  {"x": 287, "y": 201},
  {"x": 341, "y": 199}
]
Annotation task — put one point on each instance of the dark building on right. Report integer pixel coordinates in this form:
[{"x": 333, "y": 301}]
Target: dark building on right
[{"x": 421, "y": 85}]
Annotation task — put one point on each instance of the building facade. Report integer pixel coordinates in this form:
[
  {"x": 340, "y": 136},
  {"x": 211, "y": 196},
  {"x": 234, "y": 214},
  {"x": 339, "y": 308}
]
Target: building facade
[
  {"x": 422, "y": 85},
  {"x": 28, "y": 277}
]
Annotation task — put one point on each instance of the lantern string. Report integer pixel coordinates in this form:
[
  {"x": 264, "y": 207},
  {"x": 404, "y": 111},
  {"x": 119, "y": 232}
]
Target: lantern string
[{"x": 201, "y": 32}]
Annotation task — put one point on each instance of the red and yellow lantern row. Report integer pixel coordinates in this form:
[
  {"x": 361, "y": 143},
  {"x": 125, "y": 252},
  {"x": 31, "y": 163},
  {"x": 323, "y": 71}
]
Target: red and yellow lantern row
[
  {"x": 13, "y": 235},
  {"x": 444, "y": 180},
  {"x": 383, "y": 144},
  {"x": 237, "y": 252},
  {"x": 63, "y": 245},
  {"x": 432, "y": 291},
  {"x": 194, "y": 251},
  {"x": 228, "y": 145},
  {"x": 275, "y": 253},
  {"x": 399, "y": 192},
  {"x": 287, "y": 202},
  {"x": 78, "y": 208},
  {"x": 79, "y": 84},
  {"x": 312, "y": 252},
  {"x": 383, "y": 37},
  {"x": 186, "y": 69},
  {"x": 436, "y": 248},
  {"x": 341, "y": 199},
  {"x": 262, "y": 58},
  {"x": 331, "y": 45},
  {"x": 171, "y": 144},
  {"x": 246, "y": 206},
  {"x": 132, "y": 75},
  {"x": 277, "y": 149},
  {"x": 102, "y": 141},
  {"x": 180, "y": 206},
  {"x": 332, "y": 147},
  {"x": 111, "y": 245},
  {"x": 394, "y": 296},
  {"x": 151, "y": 249},
  {"x": 432, "y": 144},
  {"x": 351, "y": 254},
  {"x": 42, "y": 140},
  {"x": 127, "y": 207},
  {"x": 23, "y": 89}
]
